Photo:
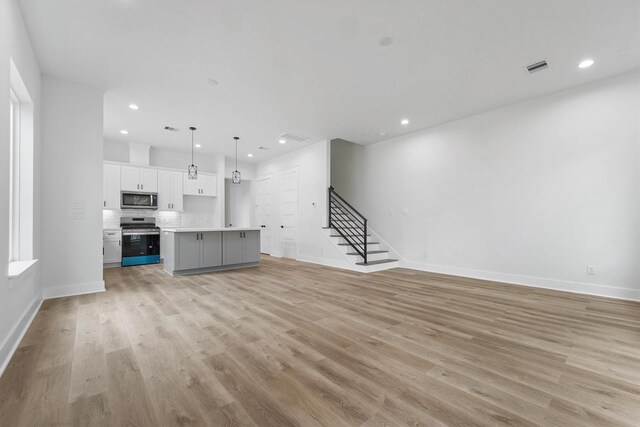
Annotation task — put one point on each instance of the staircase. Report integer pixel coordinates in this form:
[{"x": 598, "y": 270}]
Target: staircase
[{"x": 348, "y": 229}]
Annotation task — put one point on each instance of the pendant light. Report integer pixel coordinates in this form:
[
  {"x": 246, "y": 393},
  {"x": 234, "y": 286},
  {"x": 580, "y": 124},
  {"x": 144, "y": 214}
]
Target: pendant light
[
  {"x": 235, "y": 175},
  {"x": 192, "y": 169}
]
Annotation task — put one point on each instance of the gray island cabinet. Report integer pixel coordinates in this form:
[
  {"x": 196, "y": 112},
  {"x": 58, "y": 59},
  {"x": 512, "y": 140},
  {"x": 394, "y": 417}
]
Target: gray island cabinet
[{"x": 201, "y": 250}]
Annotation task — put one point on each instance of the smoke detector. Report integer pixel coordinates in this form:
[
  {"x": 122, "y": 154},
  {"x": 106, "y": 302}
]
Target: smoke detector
[
  {"x": 293, "y": 137},
  {"x": 538, "y": 66},
  {"x": 171, "y": 129}
]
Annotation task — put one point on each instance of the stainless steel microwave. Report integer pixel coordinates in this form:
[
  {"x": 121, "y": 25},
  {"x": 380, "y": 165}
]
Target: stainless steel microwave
[{"x": 133, "y": 200}]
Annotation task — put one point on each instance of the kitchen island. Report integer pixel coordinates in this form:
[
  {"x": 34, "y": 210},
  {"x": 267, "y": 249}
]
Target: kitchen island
[{"x": 202, "y": 250}]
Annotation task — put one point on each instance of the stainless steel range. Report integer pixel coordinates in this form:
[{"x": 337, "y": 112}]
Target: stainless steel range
[{"x": 140, "y": 241}]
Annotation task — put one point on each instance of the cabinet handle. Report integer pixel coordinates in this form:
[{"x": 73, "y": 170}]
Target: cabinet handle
[
  {"x": 104, "y": 203},
  {"x": 197, "y": 236},
  {"x": 119, "y": 243},
  {"x": 142, "y": 186}
]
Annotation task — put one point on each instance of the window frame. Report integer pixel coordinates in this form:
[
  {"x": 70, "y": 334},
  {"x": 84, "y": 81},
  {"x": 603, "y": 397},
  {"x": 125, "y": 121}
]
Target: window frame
[{"x": 14, "y": 176}]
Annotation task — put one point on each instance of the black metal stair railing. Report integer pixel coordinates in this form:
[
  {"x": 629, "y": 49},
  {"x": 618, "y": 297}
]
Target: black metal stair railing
[{"x": 350, "y": 224}]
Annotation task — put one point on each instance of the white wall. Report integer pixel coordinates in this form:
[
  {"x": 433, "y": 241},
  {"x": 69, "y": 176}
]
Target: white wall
[
  {"x": 116, "y": 151},
  {"x": 247, "y": 170},
  {"x": 19, "y": 299},
  {"x": 346, "y": 168},
  {"x": 238, "y": 202},
  {"x": 72, "y": 187},
  {"x": 312, "y": 162},
  {"x": 531, "y": 193}
]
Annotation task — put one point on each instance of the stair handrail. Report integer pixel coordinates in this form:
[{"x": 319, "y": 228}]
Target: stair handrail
[{"x": 335, "y": 223}]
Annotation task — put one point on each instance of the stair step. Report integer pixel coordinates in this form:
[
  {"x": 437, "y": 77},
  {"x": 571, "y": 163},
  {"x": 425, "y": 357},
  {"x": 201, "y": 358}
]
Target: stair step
[
  {"x": 368, "y": 252},
  {"x": 337, "y": 235},
  {"x": 382, "y": 261},
  {"x": 348, "y": 244}
]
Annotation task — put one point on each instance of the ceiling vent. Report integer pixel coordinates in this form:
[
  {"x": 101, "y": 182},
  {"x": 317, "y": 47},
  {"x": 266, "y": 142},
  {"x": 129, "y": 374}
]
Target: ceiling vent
[
  {"x": 172, "y": 129},
  {"x": 292, "y": 137},
  {"x": 538, "y": 66}
]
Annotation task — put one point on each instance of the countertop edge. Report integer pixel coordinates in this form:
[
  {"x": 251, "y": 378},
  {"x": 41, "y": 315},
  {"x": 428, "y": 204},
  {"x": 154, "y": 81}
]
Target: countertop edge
[{"x": 206, "y": 230}]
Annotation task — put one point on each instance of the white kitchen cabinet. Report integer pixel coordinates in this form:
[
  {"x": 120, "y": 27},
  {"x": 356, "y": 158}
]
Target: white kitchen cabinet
[
  {"x": 111, "y": 246},
  {"x": 205, "y": 185},
  {"x": 170, "y": 196},
  {"x": 111, "y": 187},
  {"x": 138, "y": 179}
]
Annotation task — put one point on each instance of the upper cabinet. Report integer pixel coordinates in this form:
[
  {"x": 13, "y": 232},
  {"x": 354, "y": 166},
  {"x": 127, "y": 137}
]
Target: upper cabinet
[
  {"x": 138, "y": 179},
  {"x": 111, "y": 187},
  {"x": 205, "y": 185},
  {"x": 169, "y": 191}
]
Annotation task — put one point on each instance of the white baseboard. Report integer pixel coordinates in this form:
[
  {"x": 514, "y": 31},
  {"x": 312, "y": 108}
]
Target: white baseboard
[
  {"x": 74, "y": 289},
  {"x": 536, "y": 282},
  {"x": 10, "y": 344}
]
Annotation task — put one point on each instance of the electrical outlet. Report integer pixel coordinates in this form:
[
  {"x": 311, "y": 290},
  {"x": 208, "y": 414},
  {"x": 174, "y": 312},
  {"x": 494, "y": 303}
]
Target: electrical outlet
[{"x": 591, "y": 270}]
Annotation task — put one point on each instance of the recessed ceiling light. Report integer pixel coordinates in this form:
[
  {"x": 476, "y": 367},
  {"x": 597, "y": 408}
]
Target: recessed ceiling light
[
  {"x": 124, "y": 132},
  {"x": 249, "y": 155},
  {"x": 198, "y": 145},
  {"x": 282, "y": 141},
  {"x": 405, "y": 121},
  {"x": 586, "y": 63},
  {"x": 134, "y": 107},
  {"x": 386, "y": 41}
]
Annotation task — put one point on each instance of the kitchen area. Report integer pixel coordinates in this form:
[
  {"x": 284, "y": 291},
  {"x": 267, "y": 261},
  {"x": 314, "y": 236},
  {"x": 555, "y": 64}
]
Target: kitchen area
[{"x": 155, "y": 213}]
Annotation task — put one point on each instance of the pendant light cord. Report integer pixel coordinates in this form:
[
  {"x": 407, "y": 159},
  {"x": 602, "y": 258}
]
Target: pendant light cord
[{"x": 192, "y": 146}]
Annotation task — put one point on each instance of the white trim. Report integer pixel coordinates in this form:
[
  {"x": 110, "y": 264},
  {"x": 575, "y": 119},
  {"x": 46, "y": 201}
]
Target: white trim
[
  {"x": 10, "y": 344},
  {"x": 536, "y": 282},
  {"x": 349, "y": 265},
  {"x": 74, "y": 289},
  {"x": 18, "y": 269}
]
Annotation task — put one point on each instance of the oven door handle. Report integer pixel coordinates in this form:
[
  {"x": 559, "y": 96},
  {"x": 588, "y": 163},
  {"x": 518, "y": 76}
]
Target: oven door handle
[{"x": 152, "y": 233}]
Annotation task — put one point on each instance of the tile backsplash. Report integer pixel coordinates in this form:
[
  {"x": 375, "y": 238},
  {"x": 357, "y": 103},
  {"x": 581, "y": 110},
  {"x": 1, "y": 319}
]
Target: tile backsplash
[
  {"x": 111, "y": 219},
  {"x": 197, "y": 212}
]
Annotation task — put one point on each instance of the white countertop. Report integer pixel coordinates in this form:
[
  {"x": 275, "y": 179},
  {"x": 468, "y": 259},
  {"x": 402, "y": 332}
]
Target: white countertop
[{"x": 209, "y": 229}]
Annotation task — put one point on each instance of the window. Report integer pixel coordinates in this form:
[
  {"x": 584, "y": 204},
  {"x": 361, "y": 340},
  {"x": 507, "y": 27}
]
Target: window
[
  {"x": 14, "y": 177},
  {"x": 21, "y": 175}
]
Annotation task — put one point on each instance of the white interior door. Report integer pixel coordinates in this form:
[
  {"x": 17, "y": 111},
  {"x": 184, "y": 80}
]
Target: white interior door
[
  {"x": 263, "y": 212},
  {"x": 288, "y": 213}
]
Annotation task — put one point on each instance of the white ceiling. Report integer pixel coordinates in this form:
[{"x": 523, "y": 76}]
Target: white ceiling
[{"x": 317, "y": 68}]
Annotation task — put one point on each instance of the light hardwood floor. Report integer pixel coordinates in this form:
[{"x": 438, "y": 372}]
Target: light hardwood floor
[{"x": 290, "y": 343}]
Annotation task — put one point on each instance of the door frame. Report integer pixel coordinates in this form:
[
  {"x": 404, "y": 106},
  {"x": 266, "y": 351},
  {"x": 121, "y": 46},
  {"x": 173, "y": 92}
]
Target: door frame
[{"x": 269, "y": 226}]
